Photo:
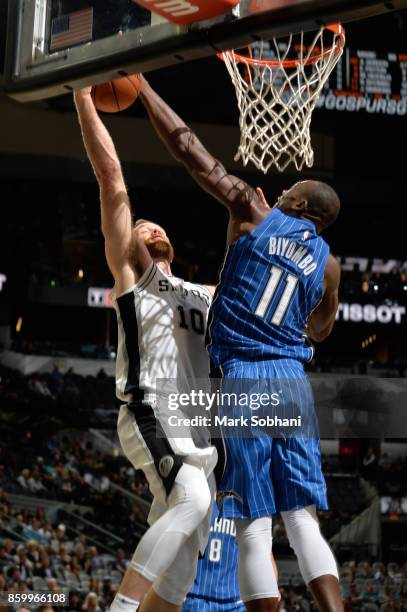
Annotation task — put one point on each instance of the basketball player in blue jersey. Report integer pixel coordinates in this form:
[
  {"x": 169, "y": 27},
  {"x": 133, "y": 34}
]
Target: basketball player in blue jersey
[
  {"x": 161, "y": 331},
  {"x": 216, "y": 586},
  {"x": 279, "y": 284}
]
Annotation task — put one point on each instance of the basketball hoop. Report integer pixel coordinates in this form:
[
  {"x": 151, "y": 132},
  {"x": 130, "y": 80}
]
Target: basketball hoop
[{"x": 277, "y": 86}]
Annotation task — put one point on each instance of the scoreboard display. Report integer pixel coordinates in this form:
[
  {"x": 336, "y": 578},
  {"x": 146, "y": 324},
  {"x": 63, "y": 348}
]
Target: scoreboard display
[
  {"x": 363, "y": 81},
  {"x": 367, "y": 82}
]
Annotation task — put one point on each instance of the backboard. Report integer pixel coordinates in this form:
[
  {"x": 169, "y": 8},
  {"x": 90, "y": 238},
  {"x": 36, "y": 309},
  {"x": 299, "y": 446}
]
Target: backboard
[{"x": 55, "y": 46}]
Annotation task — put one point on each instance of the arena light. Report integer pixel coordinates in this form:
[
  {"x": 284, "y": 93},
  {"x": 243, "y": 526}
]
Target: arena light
[
  {"x": 19, "y": 324},
  {"x": 81, "y": 273}
]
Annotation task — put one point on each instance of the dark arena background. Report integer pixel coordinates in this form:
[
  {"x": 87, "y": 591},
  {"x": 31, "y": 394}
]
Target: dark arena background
[{"x": 72, "y": 508}]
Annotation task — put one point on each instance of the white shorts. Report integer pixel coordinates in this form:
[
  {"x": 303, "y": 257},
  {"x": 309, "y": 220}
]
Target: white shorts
[{"x": 160, "y": 458}]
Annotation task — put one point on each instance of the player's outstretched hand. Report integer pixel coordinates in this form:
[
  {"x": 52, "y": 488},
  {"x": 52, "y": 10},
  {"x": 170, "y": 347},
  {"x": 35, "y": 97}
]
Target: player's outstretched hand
[
  {"x": 143, "y": 81},
  {"x": 82, "y": 93}
]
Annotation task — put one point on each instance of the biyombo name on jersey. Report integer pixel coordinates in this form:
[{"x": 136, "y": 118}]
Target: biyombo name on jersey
[{"x": 298, "y": 254}]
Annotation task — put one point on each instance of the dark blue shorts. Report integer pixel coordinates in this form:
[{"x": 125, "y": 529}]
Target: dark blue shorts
[{"x": 271, "y": 470}]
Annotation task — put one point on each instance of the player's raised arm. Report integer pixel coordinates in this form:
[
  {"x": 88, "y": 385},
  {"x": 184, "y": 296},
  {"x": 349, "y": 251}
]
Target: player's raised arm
[
  {"x": 185, "y": 146},
  {"x": 322, "y": 320},
  {"x": 115, "y": 208}
]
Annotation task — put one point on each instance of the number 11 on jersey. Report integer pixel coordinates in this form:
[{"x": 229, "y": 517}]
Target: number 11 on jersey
[{"x": 275, "y": 279}]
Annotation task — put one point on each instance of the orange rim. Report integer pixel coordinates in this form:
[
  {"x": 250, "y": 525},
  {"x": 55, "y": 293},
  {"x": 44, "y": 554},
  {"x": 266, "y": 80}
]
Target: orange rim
[{"x": 337, "y": 28}]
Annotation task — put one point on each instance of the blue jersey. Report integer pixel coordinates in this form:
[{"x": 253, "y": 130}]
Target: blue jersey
[
  {"x": 271, "y": 281},
  {"x": 216, "y": 579}
]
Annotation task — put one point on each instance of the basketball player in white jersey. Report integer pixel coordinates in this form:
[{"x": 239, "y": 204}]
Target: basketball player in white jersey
[{"x": 161, "y": 331}]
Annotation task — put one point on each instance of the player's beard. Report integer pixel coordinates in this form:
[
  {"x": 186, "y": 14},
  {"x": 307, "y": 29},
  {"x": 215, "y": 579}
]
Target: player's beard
[{"x": 160, "y": 249}]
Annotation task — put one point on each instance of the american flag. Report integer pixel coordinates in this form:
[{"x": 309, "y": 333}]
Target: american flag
[{"x": 71, "y": 29}]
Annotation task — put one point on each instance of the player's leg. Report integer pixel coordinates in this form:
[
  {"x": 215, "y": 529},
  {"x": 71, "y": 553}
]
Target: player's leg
[
  {"x": 300, "y": 488},
  {"x": 249, "y": 490},
  {"x": 299, "y": 482},
  {"x": 326, "y": 592},
  {"x": 154, "y": 603},
  {"x": 248, "y": 486},
  {"x": 257, "y": 577},
  {"x": 170, "y": 589},
  {"x": 135, "y": 589},
  {"x": 183, "y": 491},
  {"x": 188, "y": 505},
  {"x": 174, "y": 585},
  {"x": 131, "y": 591},
  {"x": 134, "y": 586},
  {"x": 315, "y": 558},
  {"x": 175, "y": 484}
]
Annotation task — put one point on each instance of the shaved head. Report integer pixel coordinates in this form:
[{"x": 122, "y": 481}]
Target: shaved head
[
  {"x": 323, "y": 201},
  {"x": 311, "y": 200}
]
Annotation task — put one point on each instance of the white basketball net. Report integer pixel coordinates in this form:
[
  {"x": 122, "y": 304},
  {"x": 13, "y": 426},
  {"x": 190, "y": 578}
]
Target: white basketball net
[{"x": 277, "y": 89}]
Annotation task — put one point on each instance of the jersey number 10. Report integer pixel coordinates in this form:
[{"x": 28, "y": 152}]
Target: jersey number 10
[
  {"x": 275, "y": 280},
  {"x": 191, "y": 319}
]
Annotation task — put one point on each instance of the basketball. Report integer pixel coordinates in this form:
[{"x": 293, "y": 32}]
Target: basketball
[{"x": 116, "y": 95}]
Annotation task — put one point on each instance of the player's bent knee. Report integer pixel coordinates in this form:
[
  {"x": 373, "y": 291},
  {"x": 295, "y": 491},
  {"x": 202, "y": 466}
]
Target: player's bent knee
[
  {"x": 257, "y": 579},
  {"x": 314, "y": 555},
  {"x": 255, "y": 532},
  {"x": 301, "y": 526},
  {"x": 297, "y": 519},
  {"x": 174, "y": 585},
  {"x": 200, "y": 499},
  {"x": 192, "y": 491}
]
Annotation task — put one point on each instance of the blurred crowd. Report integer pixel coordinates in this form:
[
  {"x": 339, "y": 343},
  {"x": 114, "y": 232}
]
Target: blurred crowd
[
  {"x": 67, "y": 462},
  {"x": 386, "y": 472},
  {"x": 62, "y": 349},
  {"x": 71, "y": 470},
  {"x": 49, "y": 556},
  {"x": 68, "y": 395},
  {"x": 374, "y": 587}
]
